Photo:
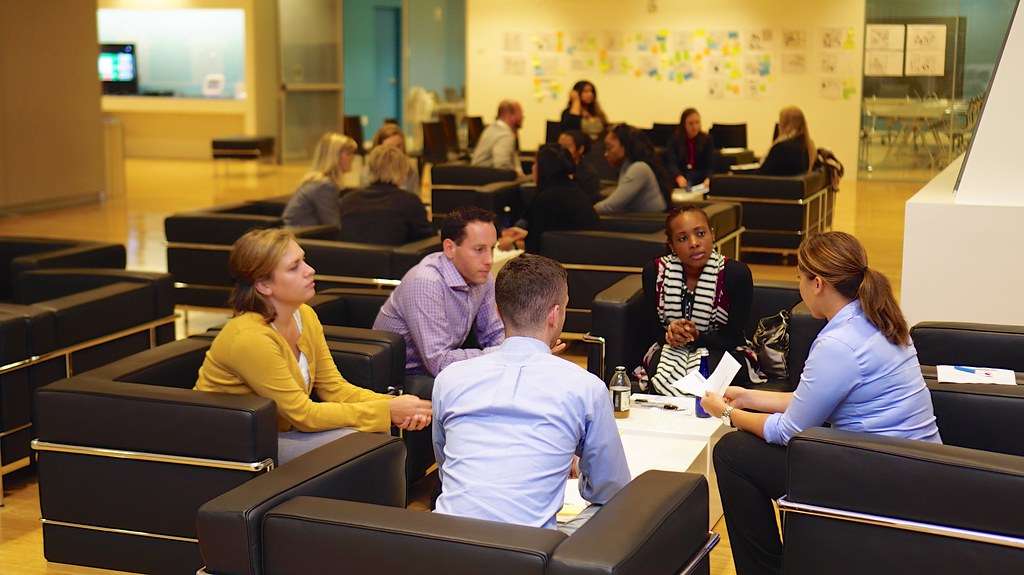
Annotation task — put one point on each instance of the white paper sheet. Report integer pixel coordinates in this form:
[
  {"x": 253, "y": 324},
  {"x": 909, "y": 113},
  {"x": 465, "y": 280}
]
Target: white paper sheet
[
  {"x": 970, "y": 374},
  {"x": 694, "y": 383}
]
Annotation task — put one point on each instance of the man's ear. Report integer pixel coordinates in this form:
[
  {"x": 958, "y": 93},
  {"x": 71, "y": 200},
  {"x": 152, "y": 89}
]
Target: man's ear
[
  {"x": 448, "y": 246},
  {"x": 553, "y": 314}
]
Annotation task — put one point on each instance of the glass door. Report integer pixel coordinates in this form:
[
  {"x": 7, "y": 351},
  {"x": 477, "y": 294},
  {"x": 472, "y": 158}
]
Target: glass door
[{"x": 311, "y": 72}]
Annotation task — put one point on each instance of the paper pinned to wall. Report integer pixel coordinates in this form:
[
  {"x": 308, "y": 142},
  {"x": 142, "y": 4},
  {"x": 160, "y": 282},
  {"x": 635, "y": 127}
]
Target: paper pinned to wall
[
  {"x": 879, "y": 63},
  {"x": 884, "y": 36},
  {"x": 794, "y": 63},
  {"x": 926, "y": 37},
  {"x": 831, "y": 88},
  {"x": 794, "y": 39}
]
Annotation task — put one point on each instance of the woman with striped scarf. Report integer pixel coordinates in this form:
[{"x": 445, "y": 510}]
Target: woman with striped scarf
[{"x": 701, "y": 299}]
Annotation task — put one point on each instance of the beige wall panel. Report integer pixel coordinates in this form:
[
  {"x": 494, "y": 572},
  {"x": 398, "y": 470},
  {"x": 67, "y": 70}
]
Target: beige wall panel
[{"x": 52, "y": 136}]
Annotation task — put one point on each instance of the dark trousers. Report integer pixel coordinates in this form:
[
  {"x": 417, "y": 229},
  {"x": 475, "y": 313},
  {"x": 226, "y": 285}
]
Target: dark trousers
[{"x": 751, "y": 473}]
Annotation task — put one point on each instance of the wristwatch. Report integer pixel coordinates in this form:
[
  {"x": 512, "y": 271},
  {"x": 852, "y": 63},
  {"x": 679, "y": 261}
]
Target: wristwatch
[{"x": 725, "y": 416}]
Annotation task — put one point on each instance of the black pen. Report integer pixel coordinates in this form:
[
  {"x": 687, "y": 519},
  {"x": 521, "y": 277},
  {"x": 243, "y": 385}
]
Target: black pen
[{"x": 655, "y": 403}]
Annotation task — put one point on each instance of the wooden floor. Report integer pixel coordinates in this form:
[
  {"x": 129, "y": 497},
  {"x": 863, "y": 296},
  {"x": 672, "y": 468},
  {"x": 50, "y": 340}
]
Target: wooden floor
[{"x": 872, "y": 210}]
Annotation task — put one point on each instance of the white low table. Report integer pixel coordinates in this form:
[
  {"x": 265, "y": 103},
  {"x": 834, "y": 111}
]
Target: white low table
[{"x": 671, "y": 440}]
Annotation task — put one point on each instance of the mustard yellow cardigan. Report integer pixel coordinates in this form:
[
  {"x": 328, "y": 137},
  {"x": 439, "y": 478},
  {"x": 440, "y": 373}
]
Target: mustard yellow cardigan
[{"x": 248, "y": 356}]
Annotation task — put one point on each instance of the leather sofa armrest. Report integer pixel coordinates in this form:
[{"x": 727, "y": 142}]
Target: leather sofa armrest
[
  {"x": 101, "y": 311},
  {"x": 978, "y": 344},
  {"x": 619, "y": 316},
  {"x": 39, "y": 285},
  {"x": 214, "y": 228},
  {"x": 902, "y": 478},
  {"x": 396, "y": 541},
  {"x": 365, "y": 467},
  {"x": 980, "y": 416},
  {"x": 660, "y": 521},
  {"x": 95, "y": 412},
  {"x": 355, "y": 307},
  {"x": 391, "y": 344},
  {"x": 757, "y": 186},
  {"x": 803, "y": 329},
  {"x": 84, "y": 254},
  {"x": 405, "y": 256},
  {"x": 322, "y": 232}
]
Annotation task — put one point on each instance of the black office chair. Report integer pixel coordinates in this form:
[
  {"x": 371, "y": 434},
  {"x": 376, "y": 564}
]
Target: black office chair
[
  {"x": 435, "y": 147},
  {"x": 451, "y": 134},
  {"x": 474, "y": 127},
  {"x": 552, "y": 132},
  {"x": 353, "y": 128},
  {"x": 729, "y": 135},
  {"x": 660, "y": 134}
]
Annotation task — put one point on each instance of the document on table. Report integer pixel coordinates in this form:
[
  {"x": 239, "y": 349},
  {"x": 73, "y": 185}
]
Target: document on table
[
  {"x": 969, "y": 374},
  {"x": 744, "y": 167},
  {"x": 694, "y": 383}
]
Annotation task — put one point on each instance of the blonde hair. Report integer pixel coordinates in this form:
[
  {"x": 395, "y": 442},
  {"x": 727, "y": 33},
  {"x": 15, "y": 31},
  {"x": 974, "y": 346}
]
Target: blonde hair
[
  {"x": 386, "y": 131},
  {"x": 253, "y": 258},
  {"x": 387, "y": 164},
  {"x": 325, "y": 165},
  {"x": 840, "y": 261},
  {"x": 793, "y": 124}
]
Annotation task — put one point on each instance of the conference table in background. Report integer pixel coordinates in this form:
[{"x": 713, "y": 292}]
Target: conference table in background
[{"x": 913, "y": 120}]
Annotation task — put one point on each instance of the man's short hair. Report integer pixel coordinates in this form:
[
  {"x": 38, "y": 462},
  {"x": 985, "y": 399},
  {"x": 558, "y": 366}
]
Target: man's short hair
[
  {"x": 454, "y": 225},
  {"x": 526, "y": 288},
  {"x": 507, "y": 107}
]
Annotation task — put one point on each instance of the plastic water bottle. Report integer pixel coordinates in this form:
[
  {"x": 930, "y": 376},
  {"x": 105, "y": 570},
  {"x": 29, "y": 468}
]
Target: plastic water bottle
[
  {"x": 699, "y": 409},
  {"x": 508, "y": 217},
  {"x": 620, "y": 388}
]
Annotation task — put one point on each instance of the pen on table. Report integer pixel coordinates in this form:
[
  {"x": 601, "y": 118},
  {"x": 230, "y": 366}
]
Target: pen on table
[
  {"x": 964, "y": 369},
  {"x": 660, "y": 404}
]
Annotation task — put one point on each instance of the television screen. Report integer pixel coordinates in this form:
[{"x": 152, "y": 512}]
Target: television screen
[{"x": 118, "y": 69}]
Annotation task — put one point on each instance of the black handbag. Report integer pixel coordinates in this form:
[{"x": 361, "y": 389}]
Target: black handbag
[{"x": 771, "y": 344}]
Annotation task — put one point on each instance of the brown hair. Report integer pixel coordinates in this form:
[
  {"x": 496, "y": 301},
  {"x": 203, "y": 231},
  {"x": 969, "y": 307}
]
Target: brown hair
[
  {"x": 325, "y": 159},
  {"x": 254, "y": 256},
  {"x": 385, "y": 132},
  {"x": 840, "y": 261},
  {"x": 793, "y": 124},
  {"x": 387, "y": 164},
  {"x": 525, "y": 290},
  {"x": 453, "y": 227}
]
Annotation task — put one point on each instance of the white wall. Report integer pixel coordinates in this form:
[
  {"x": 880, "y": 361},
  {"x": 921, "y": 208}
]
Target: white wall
[{"x": 642, "y": 101}]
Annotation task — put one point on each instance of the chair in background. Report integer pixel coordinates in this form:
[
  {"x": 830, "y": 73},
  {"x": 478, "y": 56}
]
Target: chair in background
[
  {"x": 451, "y": 133},
  {"x": 353, "y": 128},
  {"x": 435, "y": 145},
  {"x": 552, "y": 131},
  {"x": 660, "y": 134},
  {"x": 474, "y": 127},
  {"x": 729, "y": 135}
]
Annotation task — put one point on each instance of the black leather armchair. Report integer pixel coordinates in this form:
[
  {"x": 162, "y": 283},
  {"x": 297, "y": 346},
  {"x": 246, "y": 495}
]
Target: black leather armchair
[
  {"x": 198, "y": 243},
  {"x": 20, "y": 254},
  {"x": 861, "y": 503},
  {"x": 656, "y": 524},
  {"x": 462, "y": 189},
  {"x": 147, "y": 451},
  {"x": 778, "y": 211},
  {"x": 621, "y": 321},
  {"x": 68, "y": 320},
  {"x": 348, "y": 264},
  {"x": 977, "y": 344}
]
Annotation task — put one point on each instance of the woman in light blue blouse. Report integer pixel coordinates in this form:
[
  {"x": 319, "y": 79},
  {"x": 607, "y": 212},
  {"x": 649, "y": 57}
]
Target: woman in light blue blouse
[{"x": 862, "y": 374}]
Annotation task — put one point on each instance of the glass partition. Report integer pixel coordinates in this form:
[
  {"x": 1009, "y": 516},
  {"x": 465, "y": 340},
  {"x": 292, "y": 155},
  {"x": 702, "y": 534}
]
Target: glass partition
[{"x": 927, "y": 65}]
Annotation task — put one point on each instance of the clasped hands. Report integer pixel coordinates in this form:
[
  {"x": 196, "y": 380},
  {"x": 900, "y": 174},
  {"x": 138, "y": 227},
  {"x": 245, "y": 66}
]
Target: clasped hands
[
  {"x": 509, "y": 237},
  {"x": 409, "y": 412},
  {"x": 715, "y": 404},
  {"x": 681, "y": 332}
]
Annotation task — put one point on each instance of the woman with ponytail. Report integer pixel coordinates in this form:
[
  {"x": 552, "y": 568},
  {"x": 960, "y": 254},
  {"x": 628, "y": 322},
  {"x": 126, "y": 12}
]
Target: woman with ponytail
[
  {"x": 274, "y": 347},
  {"x": 861, "y": 375}
]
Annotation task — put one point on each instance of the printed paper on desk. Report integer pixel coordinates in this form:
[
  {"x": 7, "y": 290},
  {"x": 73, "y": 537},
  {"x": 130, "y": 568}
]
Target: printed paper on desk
[
  {"x": 969, "y": 374},
  {"x": 694, "y": 383}
]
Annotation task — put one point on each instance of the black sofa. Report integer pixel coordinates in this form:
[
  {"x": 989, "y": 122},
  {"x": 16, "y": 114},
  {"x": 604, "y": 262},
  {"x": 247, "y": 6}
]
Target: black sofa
[
  {"x": 128, "y": 452},
  {"x": 778, "y": 211},
  {"x": 313, "y": 520},
  {"x": 977, "y": 344},
  {"x": 620, "y": 320},
  {"x": 67, "y": 307},
  {"x": 862, "y": 503}
]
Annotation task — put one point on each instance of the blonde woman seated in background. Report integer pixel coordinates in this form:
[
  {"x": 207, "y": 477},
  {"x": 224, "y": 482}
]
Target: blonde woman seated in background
[
  {"x": 384, "y": 213},
  {"x": 391, "y": 135},
  {"x": 274, "y": 347},
  {"x": 793, "y": 152},
  {"x": 316, "y": 201}
]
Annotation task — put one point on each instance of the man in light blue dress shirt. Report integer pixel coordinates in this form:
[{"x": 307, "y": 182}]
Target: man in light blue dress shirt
[{"x": 507, "y": 424}]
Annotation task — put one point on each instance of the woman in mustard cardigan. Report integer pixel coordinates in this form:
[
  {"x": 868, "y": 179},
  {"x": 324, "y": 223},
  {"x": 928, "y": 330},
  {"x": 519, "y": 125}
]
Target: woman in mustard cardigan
[{"x": 274, "y": 347}]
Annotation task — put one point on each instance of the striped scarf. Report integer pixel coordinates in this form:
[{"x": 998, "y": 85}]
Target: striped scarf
[{"x": 706, "y": 313}]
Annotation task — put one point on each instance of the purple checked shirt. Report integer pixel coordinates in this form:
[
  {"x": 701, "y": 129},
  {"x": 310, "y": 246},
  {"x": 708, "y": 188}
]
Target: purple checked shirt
[{"x": 433, "y": 308}]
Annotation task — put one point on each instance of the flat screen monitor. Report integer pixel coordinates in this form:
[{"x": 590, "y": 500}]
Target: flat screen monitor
[{"x": 118, "y": 69}]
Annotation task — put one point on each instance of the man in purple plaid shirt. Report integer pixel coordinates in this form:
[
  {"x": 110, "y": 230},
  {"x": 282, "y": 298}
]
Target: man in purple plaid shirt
[{"x": 435, "y": 306}]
